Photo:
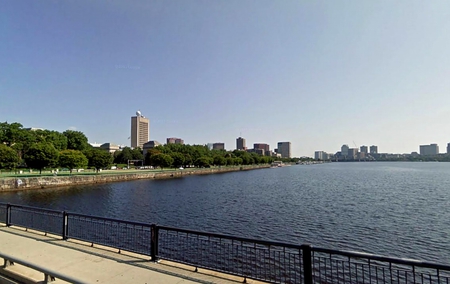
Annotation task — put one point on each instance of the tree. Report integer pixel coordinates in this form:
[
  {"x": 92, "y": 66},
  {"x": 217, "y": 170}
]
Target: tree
[
  {"x": 8, "y": 157},
  {"x": 187, "y": 160},
  {"x": 76, "y": 140},
  {"x": 58, "y": 139},
  {"x": 149, "y": 155},
  {"x": 124, "y": 155},
  {"x": 178, "y": 159},
  {"x": 10, "y": 133},
  {"x": 219, "y": 161},
  {"x": 72, "y": 159},
  {"x": 137, "y": 154},
  {"x": 41, "y": 155},
  {"x": 161, "y": 160},
  {"x": 203, "y": 162},
  {"x": 99, "y": 158}
]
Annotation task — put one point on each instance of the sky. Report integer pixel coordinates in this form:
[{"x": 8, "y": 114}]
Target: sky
[{"x": 319, "y": 74}]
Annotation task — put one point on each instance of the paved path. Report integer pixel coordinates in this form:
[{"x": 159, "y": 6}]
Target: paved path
[{"x": 96, "y": 264}]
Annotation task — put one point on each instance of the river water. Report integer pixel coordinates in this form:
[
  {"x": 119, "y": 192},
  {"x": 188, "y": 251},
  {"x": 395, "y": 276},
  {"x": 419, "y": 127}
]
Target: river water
[{"x": 398, "y": 209}]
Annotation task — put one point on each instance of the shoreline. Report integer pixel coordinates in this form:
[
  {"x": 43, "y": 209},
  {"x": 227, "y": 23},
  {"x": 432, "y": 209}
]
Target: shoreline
[{"x": 10, "y": 184}]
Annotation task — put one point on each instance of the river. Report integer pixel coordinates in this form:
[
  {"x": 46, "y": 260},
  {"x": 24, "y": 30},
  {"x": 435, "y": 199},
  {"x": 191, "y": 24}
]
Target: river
[{"x": 398, "y": 209}]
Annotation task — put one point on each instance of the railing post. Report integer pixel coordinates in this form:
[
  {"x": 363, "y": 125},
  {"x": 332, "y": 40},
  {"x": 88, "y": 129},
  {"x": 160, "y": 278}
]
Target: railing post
[
  {"x": 307, "y": 264},
  {"x": 65, "y": 224},
  {"x": 8, "y": 214},
  {"x": 154, "y": 242}
]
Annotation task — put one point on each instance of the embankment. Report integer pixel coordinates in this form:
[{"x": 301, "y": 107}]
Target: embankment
[{"x": 22, "y": 183}]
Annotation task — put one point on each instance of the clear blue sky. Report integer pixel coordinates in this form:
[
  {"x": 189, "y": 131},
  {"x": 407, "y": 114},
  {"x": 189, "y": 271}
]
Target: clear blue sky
[{"x": 316, "y": 73}]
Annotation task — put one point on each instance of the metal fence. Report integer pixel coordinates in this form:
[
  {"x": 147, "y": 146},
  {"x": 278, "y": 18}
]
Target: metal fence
[
  {"x": 261, "y": 260},
  {"x": 48, "y": 221},
  {"x": 273, "y": 262},
  {"x": 123, "y": 235},
  {"x": 3, "y": 208}
]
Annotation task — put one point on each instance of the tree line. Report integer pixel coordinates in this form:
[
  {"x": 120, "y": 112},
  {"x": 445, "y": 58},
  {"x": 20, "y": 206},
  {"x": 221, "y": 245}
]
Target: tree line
[{"x": 47, "y": 149}]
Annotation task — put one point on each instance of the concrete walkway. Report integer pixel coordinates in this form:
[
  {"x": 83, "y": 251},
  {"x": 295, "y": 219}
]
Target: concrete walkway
[{"x": 96, "y": 264}]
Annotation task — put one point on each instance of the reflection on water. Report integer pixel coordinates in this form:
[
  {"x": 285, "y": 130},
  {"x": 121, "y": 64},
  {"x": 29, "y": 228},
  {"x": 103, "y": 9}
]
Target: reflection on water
[{"x": 397, "y": 209}]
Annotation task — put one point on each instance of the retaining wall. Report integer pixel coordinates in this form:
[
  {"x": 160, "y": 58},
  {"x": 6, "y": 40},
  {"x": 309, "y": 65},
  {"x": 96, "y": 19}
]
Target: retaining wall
[{"x": 19, "y": 183}]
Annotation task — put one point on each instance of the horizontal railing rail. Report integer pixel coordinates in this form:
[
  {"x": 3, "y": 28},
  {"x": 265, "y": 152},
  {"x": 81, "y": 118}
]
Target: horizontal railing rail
[
  {"x": 274, "y": 262},
  {"x": 49, "y": 274}
]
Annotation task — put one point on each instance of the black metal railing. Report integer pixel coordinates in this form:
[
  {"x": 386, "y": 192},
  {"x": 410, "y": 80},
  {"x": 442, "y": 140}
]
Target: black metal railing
[
  {"x": 255, "y": 259},
  {"x": 119, "y": 234},
  {"x": 261, "y": 260},
  {"x": 48, "y": 221}
]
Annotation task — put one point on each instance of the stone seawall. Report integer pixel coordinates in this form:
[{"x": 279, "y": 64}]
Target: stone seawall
[{"x": 19, "y": 183}]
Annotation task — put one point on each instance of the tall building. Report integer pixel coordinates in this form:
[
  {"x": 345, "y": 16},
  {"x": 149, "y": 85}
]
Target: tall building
[
  {"x": 373, "y": 149},
  {"x": 344, "y": 150},
  {"x": 284, "y": 148},
  {"x": 140, "y": 130},
  {"x": 429, "y": 150},
  {"x": 320, "y": 155},
  {"x": 173, "y": 140},
  {"x": 240, "y": 144},
  {"x": 353, "y": 153},
  {"x": 364, "y": 149},
  {"x": 218, "y": 146},
  {"x": 448, "y": 148}
]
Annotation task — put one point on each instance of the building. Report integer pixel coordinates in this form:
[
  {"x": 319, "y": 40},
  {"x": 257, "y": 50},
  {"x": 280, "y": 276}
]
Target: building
[
  {"x": 284, "y": 148},
  {"x": 140, "y": 130},
  {"x": 240, "y": 144},
  {"x": 319, "y": 155},
  {"x": 149, "y": 145},
  {"x": 373, "y": 149},
  {"x": 364, "y": 149},
  {"x": 219, "y": 146},
  {"x": 448, "y": 148},
  {"x": 429, "y": 150},
  {"x": 344, "y": 150},
  {"x": 353, "y": 153},
  {"x": 262, "y": 146},
  {"x": 173, "y": 140},
  {"x": 111, "y": 148}
]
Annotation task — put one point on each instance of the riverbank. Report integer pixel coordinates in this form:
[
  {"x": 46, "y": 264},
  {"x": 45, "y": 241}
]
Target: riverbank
[{"x": 38, "y": 182}]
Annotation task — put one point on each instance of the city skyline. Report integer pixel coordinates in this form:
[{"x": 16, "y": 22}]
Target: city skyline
[{"x": 318, "y": 74}]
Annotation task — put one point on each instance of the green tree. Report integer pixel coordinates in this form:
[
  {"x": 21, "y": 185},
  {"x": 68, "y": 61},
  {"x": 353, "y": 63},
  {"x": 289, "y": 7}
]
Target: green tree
[
  {"x": 161, "y": 160},
  {"x": 72, "y": 159},
  {"x": 219, "y": 161},
  {"x": 99, "y": 158},
  {"x": 58, "y": 139},
  {"x": 137, "y": 154},
  {"x": 76, "y": 140},
  {"x": 123, "y": 156},
  {"x": 41, "y": 155},
  {"x": 149, "y": 154},
  {"x": 187, "y": 160},
  {"x": 8, "y": 157},
  {"x": 178, "y": 159},
  {"x": 10, "y": 133},
  {"x": 230, "y": 161},
  {"x": 203, "y": 161}
]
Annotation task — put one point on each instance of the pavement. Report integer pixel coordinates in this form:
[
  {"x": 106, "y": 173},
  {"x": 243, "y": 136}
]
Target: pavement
[{"x": 96, "y": 264}]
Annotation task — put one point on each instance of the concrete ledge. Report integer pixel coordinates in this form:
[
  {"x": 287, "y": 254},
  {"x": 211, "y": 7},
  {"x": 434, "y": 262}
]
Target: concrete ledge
[{"x": 38, "y": 182}]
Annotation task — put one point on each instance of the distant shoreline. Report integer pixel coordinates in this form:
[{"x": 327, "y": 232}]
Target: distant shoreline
[{"x": 18, "y": 183}]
